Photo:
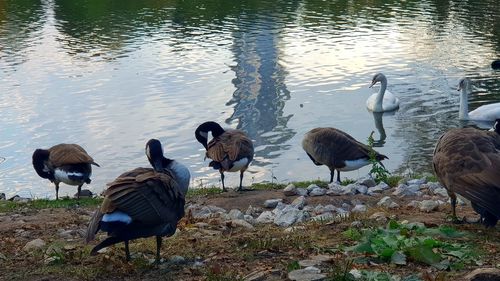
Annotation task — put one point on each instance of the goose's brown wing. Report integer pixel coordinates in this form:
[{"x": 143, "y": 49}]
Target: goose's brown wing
[
  {"x": 67, "y": 154},
  {"x": 146, "y": 196},
  {"x": 322, "y": 143},
  {"x": 467, "y": 161},
  {"x": 233, "y": 144}
]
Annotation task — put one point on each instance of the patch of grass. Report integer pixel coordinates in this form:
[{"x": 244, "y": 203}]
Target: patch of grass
[
  {"x": 293, "y": 265},
  {"x": 398, "y": 242},
  {"x": 267, "y": 186},
  {"x": 6, "y": 206},
  {"x": 393, "y": 180},
  {"x": 194, "y": 192},
  {"x": 305, "y": 184},
  {"x": 347, "y": 182}
]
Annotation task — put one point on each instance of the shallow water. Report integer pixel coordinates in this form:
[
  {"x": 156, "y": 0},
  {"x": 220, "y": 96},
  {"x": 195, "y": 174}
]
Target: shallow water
[{"x": 111, "y": 75}]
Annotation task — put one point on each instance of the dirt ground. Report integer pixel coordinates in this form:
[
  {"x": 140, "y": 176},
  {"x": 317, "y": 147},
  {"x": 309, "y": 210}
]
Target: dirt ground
[{"x": 211, "y": 249}]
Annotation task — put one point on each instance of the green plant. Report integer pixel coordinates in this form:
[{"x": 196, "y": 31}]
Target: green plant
[
  {"x": 378, "y": 170},
  {"x": 398, "y": 242},
  {"x": 294, "y": 265}
]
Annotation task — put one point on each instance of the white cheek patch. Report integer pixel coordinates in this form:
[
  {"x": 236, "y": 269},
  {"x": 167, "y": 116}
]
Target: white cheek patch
[
  {"x": 148, "y": 153},
  {"x": 238, "y": 165},
  {"x": 117, "y": 216}
]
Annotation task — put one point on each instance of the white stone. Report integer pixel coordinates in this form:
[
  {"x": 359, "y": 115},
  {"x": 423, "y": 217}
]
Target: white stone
[
  {"x": 243, "y": 224},
  {"x": 311, "y": 187},
  {"x": 34, "y": 244},
  {"x": 236, "y": 214},
  {"x": 299, "y": 202},
  {"x": 428, "y": 205},
  {"x": 366, "y": 181},
  {"x": 317, "y": 192},
  {"x": 385, "y": 202},
  {"x": 301, "y": 191},
  {"x": 272, "y": 203},
  {"x": 362, "y": 189},
  {"x": 290, "y": 190},
  {"x": 417, "y": 181},
  {"x": 265, "y": 217},
  {"x": 307, "y": 274},
  {"x": 359, "y": 209},
  {"x": 441, "y": 192}
]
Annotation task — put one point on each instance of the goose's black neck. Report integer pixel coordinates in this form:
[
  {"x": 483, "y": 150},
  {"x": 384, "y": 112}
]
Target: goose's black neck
[{"x": 201, "y": 132}]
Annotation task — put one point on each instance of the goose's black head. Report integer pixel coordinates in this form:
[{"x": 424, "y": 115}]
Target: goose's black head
[
  {"x": 40, "y": 157},
  {"x": 154, "y": 152},
  {"x": 201, "y": 132},
  {"x": 495, "y": 64}
]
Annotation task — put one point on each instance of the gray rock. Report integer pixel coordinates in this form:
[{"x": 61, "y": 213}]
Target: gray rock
[
  {"x": 306, "y": 274},
  {"x": 236, "y": 214},
  {"x": 301, "y": 191},
  {"x": 350, "y": 189},
  {"x": 359, "y": 209},
  {"x": 311, "y": 187},
  {"x": 362, "y": 189},
  {"x": 2, "y": 196},
  {"x": 290, "y": 190},
  {"x": 290, "y": 216},
  {"x": 242, "y": 223},
  {"x": 387, "y": 202},
  {"x": 356, "y": 224},
  {"x": 414, "y": 204},
  {"x": 366, "y": 181},
  {"x": 379, "y": 188},
  {"x": 34, "y": 245},
  {"x": 317, "y": 192},
  {"x": 265, "y": 217},
  {"x": 177, "y": 260},
  {"x": 272, "y": 203},
  {"x": 202, "y": 212},
  {"x": 253, "y": 211},
  {"x": 249, "y": 219},
  {"x": 417, "y": 181},
  {"x": 433, "y": 185},
  {"x": 406, "y": 190},
  {"x": 324, "y": 217},
  {"x": 84, "y": 193},
  {"x": 334, "y": 185},
  {"x": 440, "y": 191},
  {"x": 299, "y": 202},
  {"x": 379, "y": 216},
  {"x": 428, "y": 205},
  {"x": 335, "y": 191}
]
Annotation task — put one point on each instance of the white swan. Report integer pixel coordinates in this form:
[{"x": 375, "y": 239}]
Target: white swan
[
  {"x": 383, "y": 100},
  {"x": 489, "y": 112}
]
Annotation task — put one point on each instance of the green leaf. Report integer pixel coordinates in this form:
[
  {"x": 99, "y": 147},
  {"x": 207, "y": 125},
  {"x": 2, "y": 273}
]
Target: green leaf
[
  {"x": 424, "y": 254},
  {"x": 398, "y": 258},
  {"x": 364, "y": 247},
  {"x": 392, "y": 224}
]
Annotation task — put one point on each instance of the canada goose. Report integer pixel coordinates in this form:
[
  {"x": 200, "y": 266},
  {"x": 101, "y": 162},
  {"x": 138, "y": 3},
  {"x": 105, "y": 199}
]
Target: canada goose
[
  {"x": 337, "y": 150},
  {"x": 143, "y": 202},
  {"x": 383, "y": 100},
  {"x": 230, "y": 150},
  {"x": 68, "y": 163},
  {"x": 488, "y": 112},
  {"x": 467, "y": 162},
  {"x": 495, "y": 64}
]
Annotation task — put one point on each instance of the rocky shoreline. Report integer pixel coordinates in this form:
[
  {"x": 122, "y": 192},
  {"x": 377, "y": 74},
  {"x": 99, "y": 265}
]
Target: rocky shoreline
[{"x": 286, "y": 213}]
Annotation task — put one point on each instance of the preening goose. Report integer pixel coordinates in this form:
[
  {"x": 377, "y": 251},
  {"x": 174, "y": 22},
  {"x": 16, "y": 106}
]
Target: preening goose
[
  {"x": 467, "y": 162},
  {"x": 230, "y": 150},
  {"x": 337, "y": 150},
  {"x": 143, "y": 202},
  {"x": 68, "y": 163},
  {"x": 488, "y": 112},
  {"x": 383, "y": 100}
]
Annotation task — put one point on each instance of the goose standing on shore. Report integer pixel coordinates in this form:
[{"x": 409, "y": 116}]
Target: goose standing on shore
[
  {"x": 337, "y": 150},
  {"x": 383, "y": 100},
  {"x": 489, "y": 112},
  {"x": 467, "y": 162},
  {"x": 68, "y": 163},
  {"x": 230, "y": 150},
  {"x": 143, "y": 202}
]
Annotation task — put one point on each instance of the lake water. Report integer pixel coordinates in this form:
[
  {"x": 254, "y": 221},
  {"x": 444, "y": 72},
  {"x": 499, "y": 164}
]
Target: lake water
[{"x": 109, "y": 75}]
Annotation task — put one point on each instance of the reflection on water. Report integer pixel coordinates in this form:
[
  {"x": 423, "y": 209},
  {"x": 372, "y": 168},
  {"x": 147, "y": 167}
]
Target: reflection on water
[{"x": 109, "y": 75}]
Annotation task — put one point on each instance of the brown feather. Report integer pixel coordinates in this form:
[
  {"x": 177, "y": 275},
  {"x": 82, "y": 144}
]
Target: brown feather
[
  {"x": 467, "y": 161},
  {"x": 232, "y": 145},
  {"x": 67, "y": 154},
  {"x": 331, "y": 147}
]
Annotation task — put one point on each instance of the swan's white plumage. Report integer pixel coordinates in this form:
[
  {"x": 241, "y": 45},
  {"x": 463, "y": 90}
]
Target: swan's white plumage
[
  {"x": 383, "y": 100},
  {"x": 489, "y": 112}
]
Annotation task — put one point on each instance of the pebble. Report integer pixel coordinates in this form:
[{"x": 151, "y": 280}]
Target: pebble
[{"x": 236, "y": 214}]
